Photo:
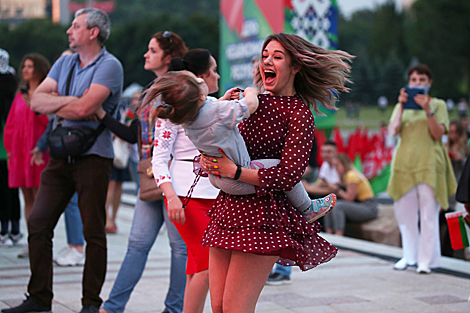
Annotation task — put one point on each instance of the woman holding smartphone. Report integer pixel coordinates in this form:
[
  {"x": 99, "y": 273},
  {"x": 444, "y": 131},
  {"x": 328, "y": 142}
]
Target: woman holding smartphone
[{"x": 422, "y": 178}]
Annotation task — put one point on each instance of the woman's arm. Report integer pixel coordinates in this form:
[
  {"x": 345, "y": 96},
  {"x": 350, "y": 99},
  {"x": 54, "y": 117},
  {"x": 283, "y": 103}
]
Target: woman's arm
[
  {"x": 294, "y": 158},
  {"x": 349, "y": 194},
  {"x": 165, "y": 136},
  {"x": 174, "y": 204},
  {"x": 225, "y": 167},
  {"x": 435, "y": 129},
  {"x": 394, "y": 125},
  {"x": 127, "y": 133}
]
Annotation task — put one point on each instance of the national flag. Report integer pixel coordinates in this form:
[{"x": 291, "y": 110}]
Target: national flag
[
  {"x": 338, "y": 140},
  {"x": 458, "y": 230},
  {"x": 320, "y": 138}
]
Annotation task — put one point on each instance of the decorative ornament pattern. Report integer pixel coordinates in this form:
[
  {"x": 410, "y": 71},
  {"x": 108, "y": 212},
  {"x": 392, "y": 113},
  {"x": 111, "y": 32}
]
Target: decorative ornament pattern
[{"x": 312, "y": 20}]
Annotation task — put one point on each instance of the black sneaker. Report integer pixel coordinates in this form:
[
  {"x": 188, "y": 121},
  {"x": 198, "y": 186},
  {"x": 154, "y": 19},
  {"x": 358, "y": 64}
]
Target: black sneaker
[
  {"x": 88, "y": 308},
  {"x": 28, "y": 305},
  {"x": 276, "y": 279}
]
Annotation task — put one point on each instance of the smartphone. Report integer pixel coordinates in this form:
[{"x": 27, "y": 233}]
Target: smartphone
[
  {"x": 24, "y": 90},
  {"x": 412, "y": 92}
]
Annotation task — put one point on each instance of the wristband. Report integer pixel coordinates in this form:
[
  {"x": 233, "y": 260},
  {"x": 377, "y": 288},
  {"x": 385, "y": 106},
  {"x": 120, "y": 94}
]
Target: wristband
[
  {"x": 168, "y": 201},
  {"x": 238, "y": 172}
]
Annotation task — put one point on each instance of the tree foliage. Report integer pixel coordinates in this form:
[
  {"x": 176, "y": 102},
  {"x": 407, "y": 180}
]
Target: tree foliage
[
  {"x": 439, "y": 35},
  {"x": 385, "y": 42},
  {"x": 129, "y": 41},
  {"x": 139, "y": 9},
  {"x": 39, "y": 36}
]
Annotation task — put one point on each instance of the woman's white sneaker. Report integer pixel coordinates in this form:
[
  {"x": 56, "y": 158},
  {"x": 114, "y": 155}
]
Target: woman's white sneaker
[
  {"x": 423, "y": 269},
  {"x": 401, "y": 265},
  {"x": 71, "y": 258},
  {"x": 5, "y": 241}
]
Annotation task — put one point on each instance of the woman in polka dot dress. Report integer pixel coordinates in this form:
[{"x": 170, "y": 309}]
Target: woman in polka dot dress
[{"x": 248, "y": 234}]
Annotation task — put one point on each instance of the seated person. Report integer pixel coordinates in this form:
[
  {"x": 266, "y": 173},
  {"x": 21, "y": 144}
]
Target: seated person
[
  {"x": 327, "y": 176},
  {"x": 355, "y": 202}
]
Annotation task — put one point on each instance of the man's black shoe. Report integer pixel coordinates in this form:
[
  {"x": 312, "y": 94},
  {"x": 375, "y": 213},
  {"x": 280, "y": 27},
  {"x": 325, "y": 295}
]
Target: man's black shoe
[
  {"x": 88, "y": 308},
  {"x": 28, "y": 306}
]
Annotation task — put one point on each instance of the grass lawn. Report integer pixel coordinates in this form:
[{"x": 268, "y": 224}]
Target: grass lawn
[{"x": 370, "y": 117}]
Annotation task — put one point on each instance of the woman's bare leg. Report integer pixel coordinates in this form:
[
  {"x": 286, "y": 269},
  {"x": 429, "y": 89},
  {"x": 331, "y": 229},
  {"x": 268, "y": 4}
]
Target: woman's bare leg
[
  {"x": 246, "y": 278},
  {"x": 237, "y": 279},
  {"x": 116, "y": 201},
  {"x": 219, "y": 261},
  {"x": 197, "y": 286}
]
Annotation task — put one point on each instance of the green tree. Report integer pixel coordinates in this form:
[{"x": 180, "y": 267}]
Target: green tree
[
  {"x": 375, "y": 37},
  {"x": 354, "y": 33},
  {"x": 39, "y": 36},
  {"x": 439, "y": 36},
  {"x": 387, "y": 34},
  {"x": 391, "y": 79},
  {"x": 363, "y": 78},
  {"x": 138, "y": 9},
  {"x": 129, "y": 41}
]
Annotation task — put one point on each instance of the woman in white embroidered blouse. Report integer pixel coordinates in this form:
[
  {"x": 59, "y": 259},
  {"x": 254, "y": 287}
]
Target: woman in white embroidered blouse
[{"x": 171, "y": 144}]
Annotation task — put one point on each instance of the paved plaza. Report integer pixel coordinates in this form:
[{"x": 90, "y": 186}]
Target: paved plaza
[{"x": 359, "y": 279}]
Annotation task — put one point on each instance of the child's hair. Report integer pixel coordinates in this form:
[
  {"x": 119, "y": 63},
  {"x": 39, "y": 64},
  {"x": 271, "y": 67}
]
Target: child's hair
[
  {"x": 176, "y": 95},
  {"x": 321, "y": 71}
]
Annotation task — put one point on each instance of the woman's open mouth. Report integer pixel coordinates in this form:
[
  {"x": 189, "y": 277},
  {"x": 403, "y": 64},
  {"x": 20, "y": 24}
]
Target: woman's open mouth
[{"x": 269, "y": 77}]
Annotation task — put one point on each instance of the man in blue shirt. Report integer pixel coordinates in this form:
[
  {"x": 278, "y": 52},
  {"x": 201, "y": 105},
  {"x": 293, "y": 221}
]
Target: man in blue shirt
[{"x": 96, "y": 82}]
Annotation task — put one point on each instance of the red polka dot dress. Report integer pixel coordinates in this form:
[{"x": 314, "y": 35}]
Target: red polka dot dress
[{"x": 266, "y": 222}]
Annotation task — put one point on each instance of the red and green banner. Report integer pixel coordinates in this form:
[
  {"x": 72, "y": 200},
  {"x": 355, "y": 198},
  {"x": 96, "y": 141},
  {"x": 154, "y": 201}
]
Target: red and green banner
[
  {"x": 458, "y": 230},
  {"x": 370, "y": 154},
  {"x": 104, "y": 5}
]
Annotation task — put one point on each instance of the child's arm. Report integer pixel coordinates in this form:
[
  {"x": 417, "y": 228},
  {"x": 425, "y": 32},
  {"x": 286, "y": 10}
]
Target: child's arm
[
  {"x": 251, "y": 97},
  {"x": 231, "y": 94}
]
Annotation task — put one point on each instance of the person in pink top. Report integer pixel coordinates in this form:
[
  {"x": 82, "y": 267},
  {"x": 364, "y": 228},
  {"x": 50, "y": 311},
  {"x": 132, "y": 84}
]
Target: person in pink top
[{"x": 23, "y": 129}]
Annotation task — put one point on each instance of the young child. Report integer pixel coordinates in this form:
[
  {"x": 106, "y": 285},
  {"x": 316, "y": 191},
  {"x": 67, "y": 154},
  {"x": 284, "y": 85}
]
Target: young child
[{"x": 212, "y": 125}]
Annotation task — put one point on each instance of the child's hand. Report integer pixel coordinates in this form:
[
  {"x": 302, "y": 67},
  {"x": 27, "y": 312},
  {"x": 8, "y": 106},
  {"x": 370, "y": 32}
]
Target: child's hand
[{"x": 231, "y": 94}]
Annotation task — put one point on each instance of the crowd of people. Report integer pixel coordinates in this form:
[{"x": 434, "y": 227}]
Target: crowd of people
[{"x": 253, "y": 144}]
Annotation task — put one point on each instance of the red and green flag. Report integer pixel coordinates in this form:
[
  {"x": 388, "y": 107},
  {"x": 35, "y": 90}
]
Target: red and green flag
[{"x": 458, "y": 230}]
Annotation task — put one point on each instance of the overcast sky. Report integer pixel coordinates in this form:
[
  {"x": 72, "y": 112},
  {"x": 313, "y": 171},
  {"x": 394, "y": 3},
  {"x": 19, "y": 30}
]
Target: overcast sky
[{"x": 349, "y": 6}]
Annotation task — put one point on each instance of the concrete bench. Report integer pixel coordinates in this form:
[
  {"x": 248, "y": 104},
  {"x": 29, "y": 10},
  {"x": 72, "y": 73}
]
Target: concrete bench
[{"x": 383, "y": 229}]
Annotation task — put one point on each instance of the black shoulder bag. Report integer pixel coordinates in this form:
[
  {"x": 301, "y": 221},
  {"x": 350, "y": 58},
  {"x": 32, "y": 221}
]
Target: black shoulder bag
[{"x": 66, "y": 142}]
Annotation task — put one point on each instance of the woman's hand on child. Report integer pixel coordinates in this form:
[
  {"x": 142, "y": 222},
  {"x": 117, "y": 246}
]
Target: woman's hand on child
[{"x": 219, "y": 166}]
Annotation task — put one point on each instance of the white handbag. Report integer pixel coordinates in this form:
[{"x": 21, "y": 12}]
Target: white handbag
[{"x": 121, "y": 153}]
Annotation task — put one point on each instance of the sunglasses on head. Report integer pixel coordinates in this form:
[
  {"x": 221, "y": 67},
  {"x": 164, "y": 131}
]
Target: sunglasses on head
[{"x": 167, "y": 35}]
